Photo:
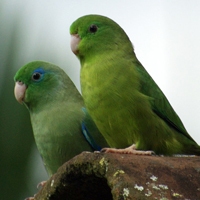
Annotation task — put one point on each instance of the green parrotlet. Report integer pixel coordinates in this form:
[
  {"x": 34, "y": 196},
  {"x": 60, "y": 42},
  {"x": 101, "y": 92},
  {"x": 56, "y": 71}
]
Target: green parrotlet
[
  {"x": 57, "y": 114},
  {"x": 125, "y": 103}
]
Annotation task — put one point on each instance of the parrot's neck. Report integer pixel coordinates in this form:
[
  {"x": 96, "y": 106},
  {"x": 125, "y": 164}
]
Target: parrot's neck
[{"x": 57, "y": 98}]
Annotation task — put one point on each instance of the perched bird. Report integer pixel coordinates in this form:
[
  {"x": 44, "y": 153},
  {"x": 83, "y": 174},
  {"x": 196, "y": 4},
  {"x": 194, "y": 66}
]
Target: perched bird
[
  {"x": 125, "y": 103},
  {"x": 57, "y": 114}
]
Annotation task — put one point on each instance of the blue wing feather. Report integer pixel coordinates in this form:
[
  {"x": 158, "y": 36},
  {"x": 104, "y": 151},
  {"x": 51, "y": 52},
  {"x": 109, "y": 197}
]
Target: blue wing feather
[
  {"x": 88, "y": 122},
  {"x": 89, "y": 138}
]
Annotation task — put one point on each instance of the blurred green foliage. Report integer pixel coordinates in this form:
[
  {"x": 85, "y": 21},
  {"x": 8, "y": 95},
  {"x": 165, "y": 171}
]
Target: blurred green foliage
[{"x": 16, "y": 138}]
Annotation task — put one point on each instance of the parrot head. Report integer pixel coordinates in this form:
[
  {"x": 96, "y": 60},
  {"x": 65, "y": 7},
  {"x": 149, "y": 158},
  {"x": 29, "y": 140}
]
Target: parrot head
[
  {"x": 92, "y": 34},
  {"x": 39, "y": 82}
]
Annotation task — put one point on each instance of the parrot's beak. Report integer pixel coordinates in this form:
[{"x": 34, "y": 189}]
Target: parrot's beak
[
  {"x": 20, "y": 90},
  {"x": 75, "y": 39}
]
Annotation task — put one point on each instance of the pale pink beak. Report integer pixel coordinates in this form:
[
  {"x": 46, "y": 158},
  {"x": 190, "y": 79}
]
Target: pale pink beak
[
  {"x": 75, "y": 39},
  {"x": 20, "y": 91}
]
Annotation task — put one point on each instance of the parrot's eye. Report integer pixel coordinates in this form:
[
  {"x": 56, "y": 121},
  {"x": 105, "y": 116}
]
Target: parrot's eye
[
  {"x": 93, "y": 28},
  {"x": 36, "y": 76}
]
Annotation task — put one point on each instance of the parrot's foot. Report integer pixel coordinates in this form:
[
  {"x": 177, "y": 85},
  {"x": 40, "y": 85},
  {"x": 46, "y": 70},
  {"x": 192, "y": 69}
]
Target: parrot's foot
[
  {"x": 128, "y": 150},
  {"x": 97, "y": 151},
  {"x": 30, "y": 198},
  {"x": 42, "y": 184}
]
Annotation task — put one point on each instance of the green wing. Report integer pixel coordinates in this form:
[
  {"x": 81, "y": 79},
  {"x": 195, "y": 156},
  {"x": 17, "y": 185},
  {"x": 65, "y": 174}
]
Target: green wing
[
  {"x": 160, "y": 104},
  {"x": 91, "y": 132}
]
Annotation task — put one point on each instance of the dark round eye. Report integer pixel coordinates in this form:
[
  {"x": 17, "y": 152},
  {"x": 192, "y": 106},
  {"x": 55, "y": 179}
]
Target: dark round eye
[
  {"x": 36, "y": 76},
  {"x": 93, "y": 28}
]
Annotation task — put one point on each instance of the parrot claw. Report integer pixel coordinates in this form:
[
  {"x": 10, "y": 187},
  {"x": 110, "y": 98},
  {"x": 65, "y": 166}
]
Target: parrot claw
[
  {"x": 30, "y": 198},
  {"x": 128, "y": 150},
  {"x": 39, "y": 184},
  {"x": 42, "y": 184}
]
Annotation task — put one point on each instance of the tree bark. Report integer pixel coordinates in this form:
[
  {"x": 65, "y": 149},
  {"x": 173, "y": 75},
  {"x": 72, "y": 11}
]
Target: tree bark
[{"x": 100, "y": 176}]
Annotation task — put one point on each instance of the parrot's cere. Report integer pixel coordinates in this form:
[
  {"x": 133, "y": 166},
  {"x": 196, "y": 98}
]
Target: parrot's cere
[
  {"x": 57, "y": 114},
  {"x": 123, "y": 100}
]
